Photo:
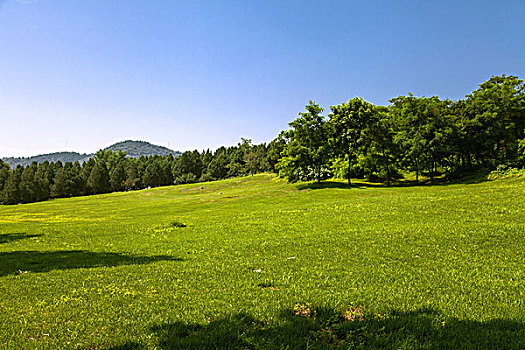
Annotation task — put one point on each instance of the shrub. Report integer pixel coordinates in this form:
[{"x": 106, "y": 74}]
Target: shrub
[{"x": 503, "y": 171}]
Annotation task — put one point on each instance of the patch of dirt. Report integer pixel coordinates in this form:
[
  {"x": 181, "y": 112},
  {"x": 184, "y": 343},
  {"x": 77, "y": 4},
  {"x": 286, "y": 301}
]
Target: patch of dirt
[{"x": 353, "y": 314}]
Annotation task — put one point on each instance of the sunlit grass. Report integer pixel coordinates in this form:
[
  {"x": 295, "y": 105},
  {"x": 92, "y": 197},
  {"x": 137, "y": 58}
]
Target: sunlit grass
[{"x": 229, "y": 263}]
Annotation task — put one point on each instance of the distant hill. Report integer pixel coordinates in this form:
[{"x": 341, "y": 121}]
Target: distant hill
[
  {"x": 50, "y": 157},
  {"x": 134, "y": 149}
]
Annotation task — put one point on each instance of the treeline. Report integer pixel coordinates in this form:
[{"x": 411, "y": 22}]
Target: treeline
[
  {"x": 112, "y": 171},
  {"x": 419, "y": 134},
  {"x": 424, "y": 135}
]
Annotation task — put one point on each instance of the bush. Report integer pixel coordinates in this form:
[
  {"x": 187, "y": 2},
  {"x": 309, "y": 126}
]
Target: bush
[{"x": 503, "y": 171}]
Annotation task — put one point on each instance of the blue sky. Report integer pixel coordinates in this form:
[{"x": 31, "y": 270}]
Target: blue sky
[{"x": 81, "y": 75}]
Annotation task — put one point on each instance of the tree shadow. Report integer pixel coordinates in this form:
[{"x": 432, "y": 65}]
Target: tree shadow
[
  {"x": 467, "y": 180},
  {"x": 355, "y": 185},
  {"x": 45, "y": 261},
  {"x": 322, "y": 185},
  {"x": 326, "y": 328},
  {"x": 11, "y": 237}
]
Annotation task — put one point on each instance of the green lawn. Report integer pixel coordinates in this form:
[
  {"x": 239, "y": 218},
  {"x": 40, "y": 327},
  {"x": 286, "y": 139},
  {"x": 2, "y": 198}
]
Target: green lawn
[{"x": 266, "y": 264}]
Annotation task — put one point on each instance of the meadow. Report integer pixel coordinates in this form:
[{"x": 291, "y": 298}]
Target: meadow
[{"x": 258, "y": 263}]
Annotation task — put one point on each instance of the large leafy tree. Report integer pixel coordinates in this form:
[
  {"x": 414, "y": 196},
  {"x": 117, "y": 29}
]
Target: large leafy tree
[
  {"x": 496, "y": 118},
  {"x": 254, "y": 158},
  {"x": 308, "y": 150},
  {"x": 379, "y": 141},
  {"x": 422, "y": 130},
  {"x": 275, "y": 148},
  {"x": 349, "y": 121}
]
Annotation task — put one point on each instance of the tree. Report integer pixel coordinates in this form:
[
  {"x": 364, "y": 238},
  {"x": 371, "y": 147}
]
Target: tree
[
  {"x": 98, "y": 181},
  {"x": 68, "y": 181},
  {"x": 308, "y": 150},
  {"x": 11, "y": 191},
  {"x": 275, "y": 148},
  {"x": 4, "y": 174},
  {"x": 254, "y": 158},
  {"x": 348, "y": 121},
  {"x": 153, "y": 175},
  {"x": 42, "y": 187},
  {"x": 379, "y": 140},
  {"x": 218, "y": 166},
  {"x": 496, "y": 118},
  {"x": 132, "y": 181},
  {"x": 117, "y": 176},
  {"x": 187, "y": 163},
  {"x": 27, "y": 184},
  {"x": 422, "y": 130}
]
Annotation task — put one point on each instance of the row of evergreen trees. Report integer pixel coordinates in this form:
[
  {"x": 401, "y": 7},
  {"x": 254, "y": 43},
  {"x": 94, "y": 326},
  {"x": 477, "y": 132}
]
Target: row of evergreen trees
[
  {"x": 112, "y": 171},
  {"x": 420, "y": 134},
  {"x": 358, "y": 139}
]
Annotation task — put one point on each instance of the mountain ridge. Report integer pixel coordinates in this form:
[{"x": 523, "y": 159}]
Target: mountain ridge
[{"x": 133, "y": 149}]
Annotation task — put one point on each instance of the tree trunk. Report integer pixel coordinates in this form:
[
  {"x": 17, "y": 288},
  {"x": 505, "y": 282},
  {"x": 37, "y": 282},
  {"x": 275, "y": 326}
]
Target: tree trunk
[
  {"x": 348, "y": 175},
  {"x": 387, "y": 171},
  {"x": 417, "y": 173},
  {"x": 432, "y": 172}
]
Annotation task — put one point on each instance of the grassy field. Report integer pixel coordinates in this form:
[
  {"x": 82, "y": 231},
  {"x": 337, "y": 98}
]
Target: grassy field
[{"x": 256, "y": 262}]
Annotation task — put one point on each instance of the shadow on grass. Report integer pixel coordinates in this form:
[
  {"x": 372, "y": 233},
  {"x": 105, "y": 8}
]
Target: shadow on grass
[
  {"x": 329, "y": 329},
  {"x": 44, "y": 261},
  {"x": 467, "y": 180},
  {"x": 11, "y": 237},
  {"x": 344, "y": 185}
]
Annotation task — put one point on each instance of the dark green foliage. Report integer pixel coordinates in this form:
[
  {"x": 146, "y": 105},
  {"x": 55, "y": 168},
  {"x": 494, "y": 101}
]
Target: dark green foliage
[
  {"x": 274, "y": 151},
  {"x": 189, "y": 162},
  {"x": 153, "y": 175},
  {"x": 117, "y": 176},
  {"x": 113, "y": 171},
  {"x": 422, "y": 134},
  {"x": 218, "y": 166},
  {"x": 132, "y": 181},
  {"x": 4, "y": 174},
  {"x": 98, "y": 181},
  {"x": 348, "y": 122},
  {"x": 41, "y": 182},
  {"x": 67, "y": 181},
  {"x": 11, "y": 192}
]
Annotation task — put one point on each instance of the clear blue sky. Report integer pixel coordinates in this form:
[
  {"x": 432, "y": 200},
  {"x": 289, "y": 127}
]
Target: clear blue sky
[{"x": 81, "y": 75}]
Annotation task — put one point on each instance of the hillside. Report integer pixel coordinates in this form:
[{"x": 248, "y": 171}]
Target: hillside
[
  {"x": 134, "y": 149},
  {"x": 259, "y": 263}
]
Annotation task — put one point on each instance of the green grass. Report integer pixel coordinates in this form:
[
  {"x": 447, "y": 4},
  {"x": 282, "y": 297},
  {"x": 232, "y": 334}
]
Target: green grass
[{"x": 257, "y": 263}]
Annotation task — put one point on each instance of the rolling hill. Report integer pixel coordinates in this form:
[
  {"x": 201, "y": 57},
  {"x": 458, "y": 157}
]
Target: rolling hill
[{"x": 259, "y": 263}]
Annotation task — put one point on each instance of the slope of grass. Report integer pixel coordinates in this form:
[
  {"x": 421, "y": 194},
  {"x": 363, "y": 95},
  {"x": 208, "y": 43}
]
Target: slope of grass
[{"x": 258, "y": 263}]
